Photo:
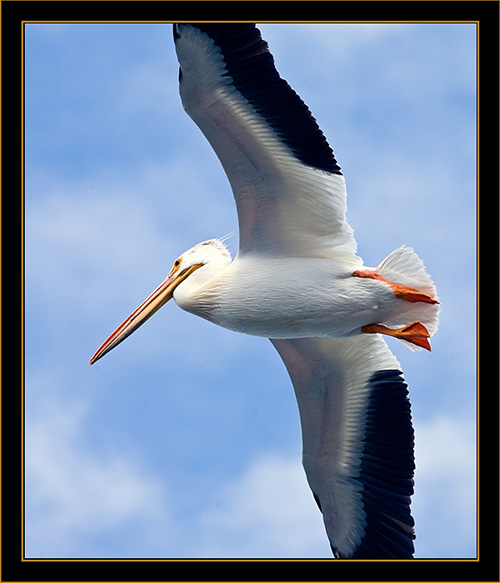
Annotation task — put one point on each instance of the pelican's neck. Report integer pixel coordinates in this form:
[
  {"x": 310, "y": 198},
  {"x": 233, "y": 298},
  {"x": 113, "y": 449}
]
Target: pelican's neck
[{"x": 198, "y": 292}]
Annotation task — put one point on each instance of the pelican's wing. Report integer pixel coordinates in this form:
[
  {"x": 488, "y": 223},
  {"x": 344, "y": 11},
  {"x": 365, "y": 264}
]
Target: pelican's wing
[
  {"x": 357, "y": 441},
  {"x": 289, "y": 190}
]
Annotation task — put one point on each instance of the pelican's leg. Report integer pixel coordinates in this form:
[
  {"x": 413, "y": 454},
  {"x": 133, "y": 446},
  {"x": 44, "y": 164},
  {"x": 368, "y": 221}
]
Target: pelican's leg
[
  {"x": 400, "y": 291},
  {"x": 416, "y": 333}
]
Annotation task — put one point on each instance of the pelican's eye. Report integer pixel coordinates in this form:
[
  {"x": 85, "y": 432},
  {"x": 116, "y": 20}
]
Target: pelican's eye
[{"x": 175, "y": 267}]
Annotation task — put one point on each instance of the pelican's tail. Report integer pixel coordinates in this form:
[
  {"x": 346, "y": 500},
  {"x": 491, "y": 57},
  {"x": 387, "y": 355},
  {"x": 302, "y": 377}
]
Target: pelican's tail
[{"x": 404, "y": 267}]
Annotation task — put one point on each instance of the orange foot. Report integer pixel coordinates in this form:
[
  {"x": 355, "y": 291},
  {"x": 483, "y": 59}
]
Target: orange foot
[
  {"x": 416, "y": 333},
  {"x": 400, "y": 291}
]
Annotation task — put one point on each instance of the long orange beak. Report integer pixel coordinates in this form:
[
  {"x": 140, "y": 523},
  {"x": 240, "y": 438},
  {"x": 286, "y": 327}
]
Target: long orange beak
[{"x": 152, "y": 304}]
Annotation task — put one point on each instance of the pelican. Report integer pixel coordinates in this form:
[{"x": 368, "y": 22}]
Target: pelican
[{"x": 297, "y": 280}]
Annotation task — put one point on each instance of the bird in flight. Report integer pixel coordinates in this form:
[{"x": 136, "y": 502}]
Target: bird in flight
[{"x": 297, "y": 280}]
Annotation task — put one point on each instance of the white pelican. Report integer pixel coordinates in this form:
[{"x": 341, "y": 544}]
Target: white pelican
[{"x": 297, "y": 280}]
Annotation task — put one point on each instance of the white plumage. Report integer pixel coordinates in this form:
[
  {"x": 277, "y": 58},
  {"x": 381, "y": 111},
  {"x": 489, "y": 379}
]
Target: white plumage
[{"x": 298, "y": 281}]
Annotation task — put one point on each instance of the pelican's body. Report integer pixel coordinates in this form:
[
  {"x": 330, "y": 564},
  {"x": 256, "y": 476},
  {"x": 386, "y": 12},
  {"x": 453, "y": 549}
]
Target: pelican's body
[
  {"x": 297, "y": 280},
  {"x": 295, "y": 297}
]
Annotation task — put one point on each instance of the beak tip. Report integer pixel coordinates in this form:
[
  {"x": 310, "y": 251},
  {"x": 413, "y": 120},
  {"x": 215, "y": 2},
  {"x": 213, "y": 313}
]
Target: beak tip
[{"x": 154, "y": 302}]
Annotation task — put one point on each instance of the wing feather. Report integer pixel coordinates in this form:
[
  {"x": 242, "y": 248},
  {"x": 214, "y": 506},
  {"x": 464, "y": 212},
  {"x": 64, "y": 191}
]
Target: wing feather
[
  {"x": 357, "y": 441},
  {"x": 289, "y": 189}
]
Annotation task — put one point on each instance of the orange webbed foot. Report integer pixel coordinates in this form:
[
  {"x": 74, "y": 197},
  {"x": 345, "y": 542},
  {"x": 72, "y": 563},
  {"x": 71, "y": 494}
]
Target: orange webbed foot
[
  {"x": 400, "y": 291},
  {"x": 415, "y": 333}
]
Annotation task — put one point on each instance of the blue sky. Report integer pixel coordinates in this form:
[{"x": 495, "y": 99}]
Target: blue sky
[{"x": 185, "y": 440}]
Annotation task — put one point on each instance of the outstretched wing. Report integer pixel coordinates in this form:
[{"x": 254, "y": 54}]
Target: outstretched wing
[
  {"x": 289, "y": 189},
  {"x": 357, "y": 441}
]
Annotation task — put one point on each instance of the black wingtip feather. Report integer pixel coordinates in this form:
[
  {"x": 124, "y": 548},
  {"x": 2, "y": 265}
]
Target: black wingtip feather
[
  {"x": 387, "y": 468},
  {"x": 251, "y": 66}
]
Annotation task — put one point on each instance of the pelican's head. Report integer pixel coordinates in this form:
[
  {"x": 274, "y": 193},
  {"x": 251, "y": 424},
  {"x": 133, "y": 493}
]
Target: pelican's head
[{"x": 204, "y": 259}]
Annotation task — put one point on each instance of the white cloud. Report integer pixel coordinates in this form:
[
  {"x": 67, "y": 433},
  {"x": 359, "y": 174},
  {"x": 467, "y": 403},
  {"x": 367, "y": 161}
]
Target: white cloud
[
  {"x": 270, "y": 505},
  {"x": 445, "y": 492},
  {"x": 78, "y": 495},
  {"x": 88, "y": 499},
  {"x": 335, "y": 42},
  {"x": 267, "y": 512}
]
